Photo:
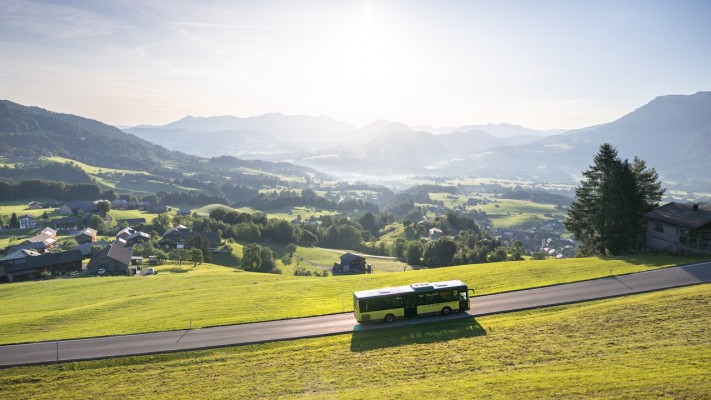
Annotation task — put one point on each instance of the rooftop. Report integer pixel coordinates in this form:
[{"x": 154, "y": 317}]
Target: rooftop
[{"x": 684, "y": 215}]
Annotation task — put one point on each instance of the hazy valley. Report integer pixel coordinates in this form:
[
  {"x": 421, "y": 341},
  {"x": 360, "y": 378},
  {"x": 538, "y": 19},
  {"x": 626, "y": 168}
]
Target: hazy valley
[{"x": 672, "y": 133}]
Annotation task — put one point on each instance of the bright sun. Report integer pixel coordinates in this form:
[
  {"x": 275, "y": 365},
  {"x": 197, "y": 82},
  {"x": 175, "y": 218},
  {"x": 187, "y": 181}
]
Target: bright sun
[{"x": 370, "y": 53}]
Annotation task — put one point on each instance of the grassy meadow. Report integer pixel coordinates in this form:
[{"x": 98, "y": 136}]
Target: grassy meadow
[
  {"x": 210, "y": 295},
  {"x": 503, "y": 213},
  {"x": 654, "y": 345}
]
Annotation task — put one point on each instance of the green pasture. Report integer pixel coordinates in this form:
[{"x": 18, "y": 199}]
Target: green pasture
[
  {"x": 92, "y": 170},
  {"x": 390, "y": 233},
  {"x": 653, "y": 345},
  {"x": 210, "y": 295},
  {"x": 449, "y": 200},
  {"x": 516, "y": 220},
  {"x": 124, "y": 186},
  {"x": 511, "y": 206},
  {"x": 511, "y": 183},
  {"x": 304, "y": 212},
  {"x": 288, "y": 215},
  {"x": 505, "y": 213},
  {"x": 206, "y": 210},
  {"x": 256, "y": 172},
  {"x": 15, "y": 238},
  {"x": 148, "y": 187},
  {"x": 231, "y": 259},
  {"x": 118, "y": 215},
  {"x": 9, "y": 207},
  {"x": 321, "y": 257}
]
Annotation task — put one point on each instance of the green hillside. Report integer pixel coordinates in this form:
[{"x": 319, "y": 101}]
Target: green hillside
[
  {"x": 653, "y": 345},
  {"x": 210, "y": 295}
]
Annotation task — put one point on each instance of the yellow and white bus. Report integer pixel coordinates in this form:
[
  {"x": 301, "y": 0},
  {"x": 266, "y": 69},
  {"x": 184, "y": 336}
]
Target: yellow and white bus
[{"x": 388, "y": 304}]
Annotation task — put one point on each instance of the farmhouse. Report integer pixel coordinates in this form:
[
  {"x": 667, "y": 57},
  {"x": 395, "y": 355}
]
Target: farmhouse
[
  {"x": 679, "y": 228},
  {"x": 77, "y": 207},
  {"x": 88, "y": 235},
  {"x": 123, "y": 205},
  {"x": 351, "y": 263},
  {"x": 213, "y": 239},
  {"x": 41, "y": 242},
  {"x": 131, "y": 236},
  {"x": 435, "y": 233},
  {"x": 27, "y": 221},
  {"x": 32, "y": 264},
  {"x": 177, "y": 235},
  {"x": 65, "y": 224},
  {"x": 113, "y": 260}
]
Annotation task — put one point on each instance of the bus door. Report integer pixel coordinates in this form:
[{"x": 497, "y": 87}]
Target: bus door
[
  {"x": 410, "y": 306},
  {"x": 464, "y": 303}
]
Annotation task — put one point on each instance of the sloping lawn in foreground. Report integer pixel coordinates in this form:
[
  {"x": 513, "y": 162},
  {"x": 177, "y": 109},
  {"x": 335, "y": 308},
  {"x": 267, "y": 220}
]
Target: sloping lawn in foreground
[
  {"x": 654, "y": 345},
  {"x": 209, "y": 295}
]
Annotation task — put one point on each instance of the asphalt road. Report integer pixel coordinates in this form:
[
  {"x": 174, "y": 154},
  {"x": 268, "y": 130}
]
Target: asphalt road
[{"x": 160, "y": 342}]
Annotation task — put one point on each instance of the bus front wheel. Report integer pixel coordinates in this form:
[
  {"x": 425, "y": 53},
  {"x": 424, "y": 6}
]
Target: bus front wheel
[
  {"x": 446, "y": 311},
  {"x": 389, "y": 318}
]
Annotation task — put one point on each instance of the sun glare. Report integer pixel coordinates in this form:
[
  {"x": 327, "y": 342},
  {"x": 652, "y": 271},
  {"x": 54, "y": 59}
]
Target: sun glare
[{"x": 369, "y": 57}]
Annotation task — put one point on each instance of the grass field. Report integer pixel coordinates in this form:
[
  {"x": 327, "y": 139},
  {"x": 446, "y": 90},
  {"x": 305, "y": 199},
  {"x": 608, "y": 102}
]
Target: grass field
[
  {"x": 92, "y": 170},
  {"x": 326, "y": 257},
  {"x": 7, "y": 208},
  {"x": 503, "y": 213},
  {"x": 654, "y": 345},
  {"x": 118, "y": 215},
  {"x": 210, "y": 295}
]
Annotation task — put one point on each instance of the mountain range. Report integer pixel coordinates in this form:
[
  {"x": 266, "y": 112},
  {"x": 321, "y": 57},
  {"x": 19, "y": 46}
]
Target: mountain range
[
  {"x": 29, "y": 133},
  {"x": 314, "y": 140},
  {"x": 671, "y": 133}
]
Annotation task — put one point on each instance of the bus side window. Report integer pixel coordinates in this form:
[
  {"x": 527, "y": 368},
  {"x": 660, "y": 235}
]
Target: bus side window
[{"x": 421, "y": 300}]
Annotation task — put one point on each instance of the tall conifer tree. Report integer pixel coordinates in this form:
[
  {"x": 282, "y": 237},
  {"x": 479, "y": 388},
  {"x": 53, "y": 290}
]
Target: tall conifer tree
[{"x": 606, "y": 215}]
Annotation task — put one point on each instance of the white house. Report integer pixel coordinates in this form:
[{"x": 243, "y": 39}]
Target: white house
[
  {"x": 435, "y": 233},
  {"x": 27, "y": 221}
]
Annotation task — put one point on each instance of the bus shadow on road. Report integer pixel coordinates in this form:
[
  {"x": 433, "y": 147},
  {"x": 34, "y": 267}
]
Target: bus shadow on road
[{"x": 420, "y": 333}]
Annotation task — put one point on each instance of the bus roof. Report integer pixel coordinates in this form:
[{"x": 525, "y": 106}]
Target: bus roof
[{"x": 413, "y": 288}]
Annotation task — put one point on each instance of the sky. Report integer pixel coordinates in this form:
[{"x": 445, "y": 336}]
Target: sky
[{"x": 541, "y": 64}]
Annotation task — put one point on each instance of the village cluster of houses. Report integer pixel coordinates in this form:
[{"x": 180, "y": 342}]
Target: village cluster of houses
[
  {"x": 40, "y": 254},
  {"x": 28, "y": 259},
  {"x": 84, "y": 209}
]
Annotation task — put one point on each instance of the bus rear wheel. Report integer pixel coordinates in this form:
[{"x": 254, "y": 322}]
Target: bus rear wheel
[
  {"x": 446, "y": 311},
  {"x": 389, "y": 318}
]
